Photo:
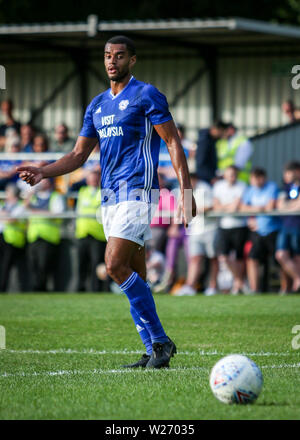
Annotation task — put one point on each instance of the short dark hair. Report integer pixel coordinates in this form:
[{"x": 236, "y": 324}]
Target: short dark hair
[
  {"x": 259, "y": 172},
  {"x": 121, "y": 39},
  {"x": 234, "y": 168},
  {"x": 219, "y": 124},
  {"x": 292, "y": 166}
]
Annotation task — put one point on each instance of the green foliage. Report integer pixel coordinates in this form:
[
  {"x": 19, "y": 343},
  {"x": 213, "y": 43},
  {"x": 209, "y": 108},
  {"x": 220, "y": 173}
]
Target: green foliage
[
  {"x": 26, "y": 11},
  {"x": 64, "y": 354}
]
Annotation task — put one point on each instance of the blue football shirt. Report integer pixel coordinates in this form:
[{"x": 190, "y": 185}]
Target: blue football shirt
[
  {"x": 129, "y": 145},
  {"x": 260, "y": 197}
]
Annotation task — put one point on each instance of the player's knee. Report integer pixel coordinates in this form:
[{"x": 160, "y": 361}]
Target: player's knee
[{"x": 116, "y": 269}]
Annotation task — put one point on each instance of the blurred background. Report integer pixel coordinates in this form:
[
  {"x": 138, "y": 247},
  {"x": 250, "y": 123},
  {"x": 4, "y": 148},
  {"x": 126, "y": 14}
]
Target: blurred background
[{"x": 225, "y": 67}]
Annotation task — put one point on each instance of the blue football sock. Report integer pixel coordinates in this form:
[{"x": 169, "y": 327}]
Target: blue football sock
[
  {"x": 142, "y": 331},
  {"x": 141, "y": 299}
]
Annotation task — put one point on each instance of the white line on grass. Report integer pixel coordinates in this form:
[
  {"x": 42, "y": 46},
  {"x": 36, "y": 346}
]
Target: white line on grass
[
  {"x": 123, "y": 371},
  {"x": 121, "y": 352}
]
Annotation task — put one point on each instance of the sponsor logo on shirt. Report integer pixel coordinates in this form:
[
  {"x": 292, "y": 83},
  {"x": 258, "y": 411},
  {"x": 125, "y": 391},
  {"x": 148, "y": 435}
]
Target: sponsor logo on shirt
[
  {"x": 98, "y": 110},
  {"x": 123, "y": 104},
  {"x": 113, "y": 130}
]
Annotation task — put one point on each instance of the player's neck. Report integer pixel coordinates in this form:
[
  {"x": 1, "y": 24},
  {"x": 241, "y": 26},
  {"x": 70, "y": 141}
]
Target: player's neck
[{"x": 118, "y": 86}]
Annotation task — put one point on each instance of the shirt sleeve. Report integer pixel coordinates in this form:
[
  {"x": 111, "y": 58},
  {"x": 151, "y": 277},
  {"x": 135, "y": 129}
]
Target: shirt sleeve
[
  {"x": 216, "y": 190},
  {"x": 155, "y": 105},
  {"x": 247, "y": 196},
  {"x": 208, "y": 198},
  {"x": 243, "y": 154},
  {"x": 273, "y": 191},
  {"x": 88, "y": 128}
]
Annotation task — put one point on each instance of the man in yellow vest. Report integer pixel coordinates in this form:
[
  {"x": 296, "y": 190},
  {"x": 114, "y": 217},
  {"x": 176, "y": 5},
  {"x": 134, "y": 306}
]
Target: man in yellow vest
[
  {"x": 13, "y": 239},
  {"x": 44, "y": 234},
  {"x": 89, "y": 233},
  {"x": 234, "y": 149}
]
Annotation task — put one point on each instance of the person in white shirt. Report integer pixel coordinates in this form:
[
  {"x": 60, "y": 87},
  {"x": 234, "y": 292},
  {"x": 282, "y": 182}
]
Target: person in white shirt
[
  {"x": 233, "y": 231},
  {"x": 201, "y": 241}
]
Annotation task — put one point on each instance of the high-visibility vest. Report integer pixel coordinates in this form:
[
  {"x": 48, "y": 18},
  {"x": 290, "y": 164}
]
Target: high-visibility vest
[
  {"x": 226, "y": 156},
  {"x": 14, "y": 233},
  {"x": 47, "y": 229},
  {"x": 89, "y": 202}
]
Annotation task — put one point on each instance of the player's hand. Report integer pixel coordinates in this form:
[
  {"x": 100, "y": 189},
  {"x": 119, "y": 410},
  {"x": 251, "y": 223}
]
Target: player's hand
[
  {"x": 187, "y": 208},
  {"x": 31, "y": 175}
]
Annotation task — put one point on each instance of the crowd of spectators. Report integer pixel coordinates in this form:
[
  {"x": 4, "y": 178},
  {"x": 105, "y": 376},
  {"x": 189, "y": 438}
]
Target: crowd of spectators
[{"x": 227, "y": 248}]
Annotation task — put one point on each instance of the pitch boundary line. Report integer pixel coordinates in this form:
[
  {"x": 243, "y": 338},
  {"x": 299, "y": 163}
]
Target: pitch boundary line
[
  {"x": 125, "y": 352},
  {"x": 124, "y": 371}
]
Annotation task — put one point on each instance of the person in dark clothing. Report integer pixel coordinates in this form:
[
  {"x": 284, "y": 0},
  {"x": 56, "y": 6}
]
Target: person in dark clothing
[
  {"x": 10, "y": 125},
  {"x": 206, "y": 155},
  {"x": 13, "y": 240}
]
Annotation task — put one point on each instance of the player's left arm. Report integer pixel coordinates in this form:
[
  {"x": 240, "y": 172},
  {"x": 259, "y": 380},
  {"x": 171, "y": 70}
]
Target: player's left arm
[{"x": 168, "y": 132}]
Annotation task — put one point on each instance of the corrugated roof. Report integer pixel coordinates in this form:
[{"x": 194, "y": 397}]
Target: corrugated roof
[{"x": 178, "y": 25}]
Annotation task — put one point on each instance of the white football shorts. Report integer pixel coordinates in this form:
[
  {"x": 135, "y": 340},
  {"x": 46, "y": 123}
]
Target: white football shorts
[{"x": 129, "y": 220}]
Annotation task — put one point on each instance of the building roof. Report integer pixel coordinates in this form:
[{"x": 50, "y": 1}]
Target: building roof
[{"x": 194, "y": 32}]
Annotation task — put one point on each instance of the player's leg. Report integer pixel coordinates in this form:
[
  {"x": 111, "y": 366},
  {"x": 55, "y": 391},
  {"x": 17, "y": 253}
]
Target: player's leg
[
  {"x": 138, "y": 265},
  {"x": 138, "y": 262},
  {"x": 118, "y": 258}
]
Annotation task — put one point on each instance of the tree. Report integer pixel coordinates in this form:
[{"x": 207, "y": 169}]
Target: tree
[{"x": 27, "y": 11}]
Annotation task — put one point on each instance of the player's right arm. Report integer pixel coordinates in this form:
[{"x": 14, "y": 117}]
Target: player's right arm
[{"x": 68, "y": 163}]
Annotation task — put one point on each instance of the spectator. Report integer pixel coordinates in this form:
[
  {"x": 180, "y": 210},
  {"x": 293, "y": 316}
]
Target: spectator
[
  {"x": 176, "y": 238},
  {"x": 292, "y": 113},
  {"x": 162, "y": 217},
  {"x": 89, "y": 234},
  {"x": 40, "y": 143},
  {"x": 234, "y": 149},
  {"x": 206, "y": 156},
  {"x": 233, "y": 232},
  {"x": 165, "y": 166},
  {"x": 77, "y": 178},
  {"x": 288, "y": 239},
  {"x": 188, "y": 146},
  {"x": 44, "y": 234},
  {"x": 261, "y": 196},
  {"x": 62, "y": 142},
  {"x": 201, "y": 240},
  {"x": 155, "y": 263},
  {"x": 8, "y": 167},
  {"x": 13, "y": 239},
  {"x": 27, "y": 135},
  {"x": 10, "y": 126}
]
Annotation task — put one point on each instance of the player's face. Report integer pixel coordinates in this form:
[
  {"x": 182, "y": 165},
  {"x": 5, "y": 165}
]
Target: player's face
[{"x": 117, "y": 61}]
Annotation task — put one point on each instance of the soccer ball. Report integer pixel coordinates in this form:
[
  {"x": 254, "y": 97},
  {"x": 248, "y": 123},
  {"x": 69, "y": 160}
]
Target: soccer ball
[{"x": 236, "y": 379}]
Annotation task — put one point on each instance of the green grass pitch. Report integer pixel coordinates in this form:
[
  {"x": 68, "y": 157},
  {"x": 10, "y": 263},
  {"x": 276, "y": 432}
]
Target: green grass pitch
[{"x": 64, "y": 351}]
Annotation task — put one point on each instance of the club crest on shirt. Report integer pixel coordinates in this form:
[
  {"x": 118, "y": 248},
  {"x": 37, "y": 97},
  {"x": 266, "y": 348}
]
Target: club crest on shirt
[{"x": 123, "y": 104}]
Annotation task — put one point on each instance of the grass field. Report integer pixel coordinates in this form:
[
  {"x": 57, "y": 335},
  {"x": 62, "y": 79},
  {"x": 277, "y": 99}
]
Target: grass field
[{"x": 64, "y": 351}]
